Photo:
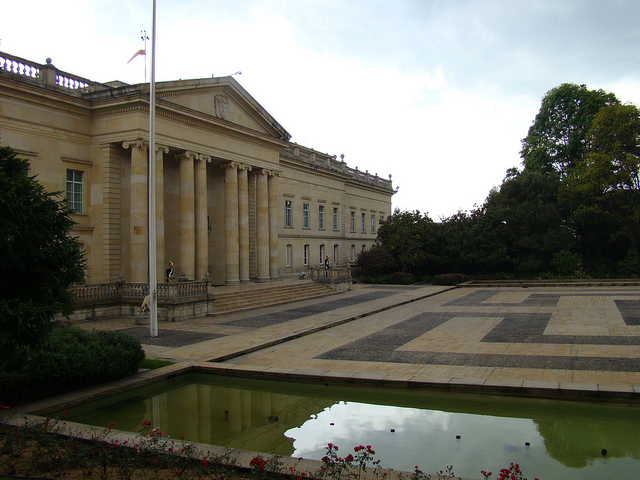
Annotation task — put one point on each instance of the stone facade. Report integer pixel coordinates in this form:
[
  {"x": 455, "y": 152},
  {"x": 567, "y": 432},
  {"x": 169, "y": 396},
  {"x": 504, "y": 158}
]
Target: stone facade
[{"x": 236, "y": 201}]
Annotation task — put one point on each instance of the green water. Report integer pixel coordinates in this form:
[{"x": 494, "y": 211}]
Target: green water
[{"x": 408, "y": 427}]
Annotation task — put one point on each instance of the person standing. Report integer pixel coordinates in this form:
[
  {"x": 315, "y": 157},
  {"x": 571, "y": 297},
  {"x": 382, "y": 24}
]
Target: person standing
[
  {"x": 170, "y": 271},
  {"x": 326, "y": 262}
]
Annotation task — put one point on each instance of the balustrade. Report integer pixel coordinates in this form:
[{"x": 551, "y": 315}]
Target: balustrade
[
  {"x": 330, "y": 162},
  {"x": 36, "y": 71}
]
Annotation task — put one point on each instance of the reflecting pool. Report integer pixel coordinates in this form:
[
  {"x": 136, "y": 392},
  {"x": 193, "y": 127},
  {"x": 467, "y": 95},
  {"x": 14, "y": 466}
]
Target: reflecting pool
[{"x": 406, "y": 427}]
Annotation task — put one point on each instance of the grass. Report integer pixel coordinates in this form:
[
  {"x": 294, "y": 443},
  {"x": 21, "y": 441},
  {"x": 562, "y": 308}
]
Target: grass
[{"x": 149, "y": 364}]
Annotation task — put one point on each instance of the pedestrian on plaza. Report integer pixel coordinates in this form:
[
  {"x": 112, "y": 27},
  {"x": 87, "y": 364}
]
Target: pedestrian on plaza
[{"x": 326, "y": 262}]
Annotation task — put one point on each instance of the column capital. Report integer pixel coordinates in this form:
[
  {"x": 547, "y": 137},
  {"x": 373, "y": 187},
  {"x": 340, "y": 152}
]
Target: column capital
[
  {"x": 232, "y": 164},
  {"x": 275, "y": 173},
  {"x": 135, "y": 143},
  {"x": 204, "y": 158},
  {"x": 244, "y": 166},
  {"x": 187, "y": 154},
  {"x": 164, "y": 148}
]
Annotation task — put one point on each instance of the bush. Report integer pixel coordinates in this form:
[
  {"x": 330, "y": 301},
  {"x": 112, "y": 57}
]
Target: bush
[
  {"x": 565, "y": 263},
  {"x": 70, "y": 360},
  {"x": 630, "y": 266},
  {"x": 449, "y": 279},
  {"x": 376, "y": 261}
]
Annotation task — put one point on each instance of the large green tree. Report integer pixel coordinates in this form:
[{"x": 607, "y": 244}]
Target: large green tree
[
  {"x": 602, "y": 193},
  {"x": 526, "y": 211},
  {"x": 557, "y": 138},
  {"x": 39, "y": 258}
]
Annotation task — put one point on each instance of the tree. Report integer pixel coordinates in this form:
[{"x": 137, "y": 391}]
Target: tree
[
  {"x": 602, "y": 193},
  {"x": 39, "y": 258},
  {"x": 530, "y": 223},
  {"x": 409, "y": 237},
  {"x": 556, "y": 140}
]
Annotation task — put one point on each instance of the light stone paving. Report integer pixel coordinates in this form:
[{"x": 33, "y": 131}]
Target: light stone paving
[{"x": 569, "y": 339}]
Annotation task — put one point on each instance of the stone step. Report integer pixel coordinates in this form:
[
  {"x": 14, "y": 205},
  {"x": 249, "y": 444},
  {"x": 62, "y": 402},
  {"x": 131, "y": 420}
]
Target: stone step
[{"x": 267, "y": 296}]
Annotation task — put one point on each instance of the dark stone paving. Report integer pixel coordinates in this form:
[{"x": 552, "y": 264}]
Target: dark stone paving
[
  {"x": 514, "y": 328},
  {"x": 279, "y": 317},
  {"x": 169, "y": 338}
]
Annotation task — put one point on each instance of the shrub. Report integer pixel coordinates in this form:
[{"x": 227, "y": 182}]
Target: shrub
[
  {"x": 71, "y": 359},
  {"x": 376, "y": 261},
  {"x": 565, "y": 263},
  {"x": 449, "y": 279},
  {"x": 630, "y": 266}
]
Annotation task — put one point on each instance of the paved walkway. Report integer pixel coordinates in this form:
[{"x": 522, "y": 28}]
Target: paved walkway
[{"x": 566, "y": 339}]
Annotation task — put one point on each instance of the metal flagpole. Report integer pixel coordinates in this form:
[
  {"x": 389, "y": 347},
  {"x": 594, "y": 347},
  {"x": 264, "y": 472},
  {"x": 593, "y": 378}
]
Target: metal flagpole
[{"x": 153, "y": 276}]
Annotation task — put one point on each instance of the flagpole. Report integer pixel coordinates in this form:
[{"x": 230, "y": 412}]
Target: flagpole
[{"x": 153, "y": 276}]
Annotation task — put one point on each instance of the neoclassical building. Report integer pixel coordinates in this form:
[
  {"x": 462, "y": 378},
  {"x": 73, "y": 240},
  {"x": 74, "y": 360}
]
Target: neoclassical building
[{"x": 236, "y": 201}]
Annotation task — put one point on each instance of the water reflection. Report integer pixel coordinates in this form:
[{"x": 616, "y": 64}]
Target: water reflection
[{"x": 406, "y": 428}]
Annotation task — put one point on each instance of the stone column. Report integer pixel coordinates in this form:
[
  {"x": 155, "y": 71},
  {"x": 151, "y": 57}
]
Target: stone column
[
  {"x": 243, "y": 221},
  {"x": 262, "y": 225},
  {"x": 202, "y": 231},
  {"x": 111, "y": 214},
  {"x": 161, "y": 263},
  {"x": 231, "y": 224},
  {"x": 273, "y": 225},
  {"x": 139, "y": 237},
  {"x": 186, "y": 232}
]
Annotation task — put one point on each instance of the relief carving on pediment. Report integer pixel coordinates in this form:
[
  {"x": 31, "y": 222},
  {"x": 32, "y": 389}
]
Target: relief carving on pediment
[{"x": 221, "y": 103}]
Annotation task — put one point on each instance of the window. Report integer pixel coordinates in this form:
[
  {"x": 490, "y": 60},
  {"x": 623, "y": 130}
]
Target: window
[
  {"x": 288, "y": 255},
  {"x": 321, "y": 217},
  {"x": 305, "y": 215},
  {"x": 353, "y": 222},
  {"x": 287, "y": 213},
  {"x": 335, "y": 254},
  {"x": 305, "y": 254},
  {"x": 373, "y": 223},
  {"x": 353, "y": 253},
  {"x": 335, "y": 218},
  {"x": 364, "y": 227},
  {"x": 321, "y": 254},
  {"x": 74, "y": 190}
]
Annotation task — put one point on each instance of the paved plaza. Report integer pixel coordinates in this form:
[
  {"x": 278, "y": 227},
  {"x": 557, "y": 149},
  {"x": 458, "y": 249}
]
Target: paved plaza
[{"x": 564, "y": 338}]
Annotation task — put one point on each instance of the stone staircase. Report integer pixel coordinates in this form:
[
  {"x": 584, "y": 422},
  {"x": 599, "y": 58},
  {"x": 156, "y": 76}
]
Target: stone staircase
[{"x": 247, "y": 297}]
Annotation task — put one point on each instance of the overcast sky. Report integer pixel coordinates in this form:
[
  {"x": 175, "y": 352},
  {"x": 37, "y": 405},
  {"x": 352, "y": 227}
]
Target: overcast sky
[{"x": 438, "y": 94}]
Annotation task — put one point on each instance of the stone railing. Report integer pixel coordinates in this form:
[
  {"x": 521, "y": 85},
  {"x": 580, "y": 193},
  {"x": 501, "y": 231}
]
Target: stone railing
[
  {"x": 330, "y": 162},
  {"x": 338, "y": 277},
  {"x": 176, "y": 300},
  {"x": 46, "y": 74},
  {"x": 137, "y": 291}
]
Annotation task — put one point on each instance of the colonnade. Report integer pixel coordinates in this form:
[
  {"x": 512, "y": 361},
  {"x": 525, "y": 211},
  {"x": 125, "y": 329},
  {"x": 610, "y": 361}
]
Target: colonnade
[{"x": 193, "y": 225}]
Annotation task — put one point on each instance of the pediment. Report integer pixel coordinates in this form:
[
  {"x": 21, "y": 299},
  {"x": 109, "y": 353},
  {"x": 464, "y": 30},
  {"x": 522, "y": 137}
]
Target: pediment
[{"x": 222, "y": 98}]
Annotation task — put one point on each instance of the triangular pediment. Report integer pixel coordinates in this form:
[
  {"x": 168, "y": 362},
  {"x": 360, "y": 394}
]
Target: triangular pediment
[{"x": 224, "y": 99}]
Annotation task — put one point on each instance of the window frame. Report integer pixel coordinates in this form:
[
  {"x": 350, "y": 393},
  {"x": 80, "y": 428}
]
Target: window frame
[{"x": 73, "y": 193}]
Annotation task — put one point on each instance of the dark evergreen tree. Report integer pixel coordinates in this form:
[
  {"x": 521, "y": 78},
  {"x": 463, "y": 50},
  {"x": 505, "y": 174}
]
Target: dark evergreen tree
[{"x": 39, "y": 258}]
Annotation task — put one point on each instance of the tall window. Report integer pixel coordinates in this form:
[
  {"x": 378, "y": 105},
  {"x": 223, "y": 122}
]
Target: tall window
[
  {"x": 353, "y": 253},
  {"x": 305, "y": 215},
  {"x": 305, "y": 254},
  {"x": 335, "y": 254},
  {"x": 335, "y": 218},
  {"x": 74, "y": 190},
  {"x": 353, "y": 222},
  {"x": 321, "y": 217},
  {"x": 364, "y": 227},
  {"x": 288, "y": 255},
  {"x": 373, "y": 223},
  {"x": 287, "y": 213},
  {"x": 321, "y": 254}
]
